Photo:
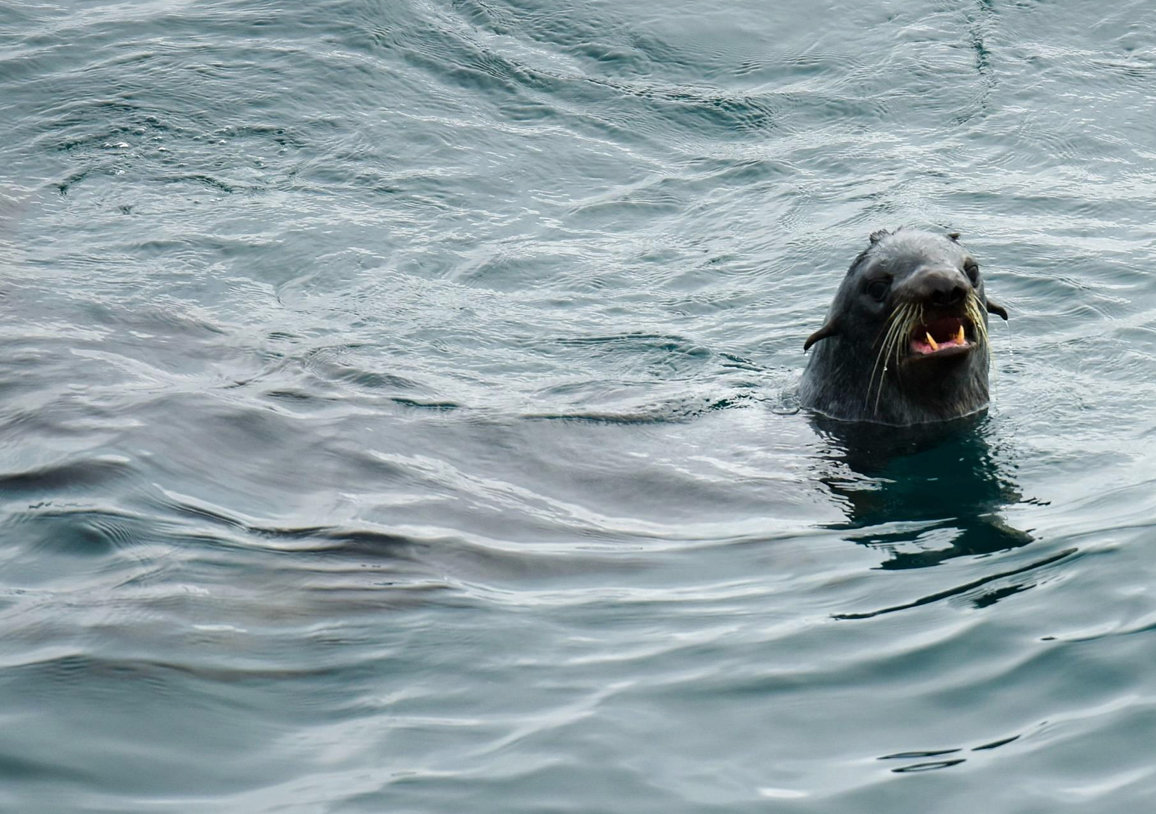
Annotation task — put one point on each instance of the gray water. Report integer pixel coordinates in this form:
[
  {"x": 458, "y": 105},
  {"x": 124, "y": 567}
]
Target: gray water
[{"x": 397, "y": 409}]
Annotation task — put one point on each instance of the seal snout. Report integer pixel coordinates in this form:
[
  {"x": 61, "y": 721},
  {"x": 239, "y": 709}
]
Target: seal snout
[
  {"x": 940, "y": 287},
  {"x": 943, "y": 322}
]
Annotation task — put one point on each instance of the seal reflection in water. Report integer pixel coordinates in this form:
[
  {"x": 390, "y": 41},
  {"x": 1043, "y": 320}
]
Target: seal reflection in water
[{"x": 906, "y": 339}]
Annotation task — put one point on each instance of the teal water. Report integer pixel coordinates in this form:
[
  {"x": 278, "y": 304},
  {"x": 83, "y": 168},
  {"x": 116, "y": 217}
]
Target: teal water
[{"x": 396, "y": 409}]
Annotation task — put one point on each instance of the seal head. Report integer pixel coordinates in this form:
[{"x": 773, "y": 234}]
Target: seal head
[{"x": 905, "y": 341}]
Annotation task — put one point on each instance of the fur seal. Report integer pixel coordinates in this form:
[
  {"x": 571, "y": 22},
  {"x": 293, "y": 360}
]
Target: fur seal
[{"x": 905, "y": 341}]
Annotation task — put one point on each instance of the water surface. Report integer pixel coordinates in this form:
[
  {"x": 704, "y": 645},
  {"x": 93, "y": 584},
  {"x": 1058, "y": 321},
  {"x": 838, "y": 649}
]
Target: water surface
[{"x": 397, "y": 412}]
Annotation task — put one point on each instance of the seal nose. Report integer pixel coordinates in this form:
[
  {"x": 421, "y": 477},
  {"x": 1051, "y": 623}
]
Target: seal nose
[{"x": 939, "y": 286}]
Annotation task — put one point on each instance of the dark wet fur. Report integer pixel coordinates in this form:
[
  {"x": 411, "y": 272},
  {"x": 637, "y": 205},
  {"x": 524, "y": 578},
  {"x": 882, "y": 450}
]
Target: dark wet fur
[{"x": 854, "y": 374}]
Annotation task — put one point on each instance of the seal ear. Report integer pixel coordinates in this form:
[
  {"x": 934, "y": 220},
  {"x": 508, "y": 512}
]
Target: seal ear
[
  {"x": 994, "y": 307},
  {"x": 878, "y": 235},
  {"x": 828, "y": 330}
]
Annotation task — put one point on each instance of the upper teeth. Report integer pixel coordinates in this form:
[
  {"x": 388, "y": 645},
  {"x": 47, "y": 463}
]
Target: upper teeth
[{"x": 958, "y": 338}]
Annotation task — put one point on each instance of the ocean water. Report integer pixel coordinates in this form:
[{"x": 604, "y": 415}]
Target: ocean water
[{"x": 397, "y": 409}]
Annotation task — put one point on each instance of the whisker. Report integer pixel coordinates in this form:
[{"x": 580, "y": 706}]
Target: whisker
[
  {"x": 895, "y": 329},
  {"x": 880, "y": 353},
  {"x": 875, "y": 368},
  {"x": 893, "y": 345},
  {"x": 890, "y": 342},
  {"x": 975, "y": 313},
  {"x": 977, "y": 320}
]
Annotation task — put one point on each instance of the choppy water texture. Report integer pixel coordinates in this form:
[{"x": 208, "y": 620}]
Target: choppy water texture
[{"x": 396, "y": 409}]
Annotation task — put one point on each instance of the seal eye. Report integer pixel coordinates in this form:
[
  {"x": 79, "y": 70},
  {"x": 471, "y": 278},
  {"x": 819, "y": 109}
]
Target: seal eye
[
  {"x": 972, "y": 269},
  {"x": 877, "y": 289}
]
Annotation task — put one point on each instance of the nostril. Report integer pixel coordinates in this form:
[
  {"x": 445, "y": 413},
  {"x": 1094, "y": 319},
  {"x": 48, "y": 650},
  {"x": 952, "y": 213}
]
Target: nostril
[{"x": 952, "y": 295}]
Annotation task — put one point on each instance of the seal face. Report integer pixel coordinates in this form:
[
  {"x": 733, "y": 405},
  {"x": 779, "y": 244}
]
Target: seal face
[{"x": 905, "y": 341}]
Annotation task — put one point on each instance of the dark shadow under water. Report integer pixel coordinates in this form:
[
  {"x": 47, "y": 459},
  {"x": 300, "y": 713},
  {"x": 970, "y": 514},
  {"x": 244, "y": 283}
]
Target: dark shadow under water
[{"x": 925, "y": 495}]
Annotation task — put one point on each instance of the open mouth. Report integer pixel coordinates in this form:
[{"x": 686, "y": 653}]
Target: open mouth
[{"x": 940, "y": 337}]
